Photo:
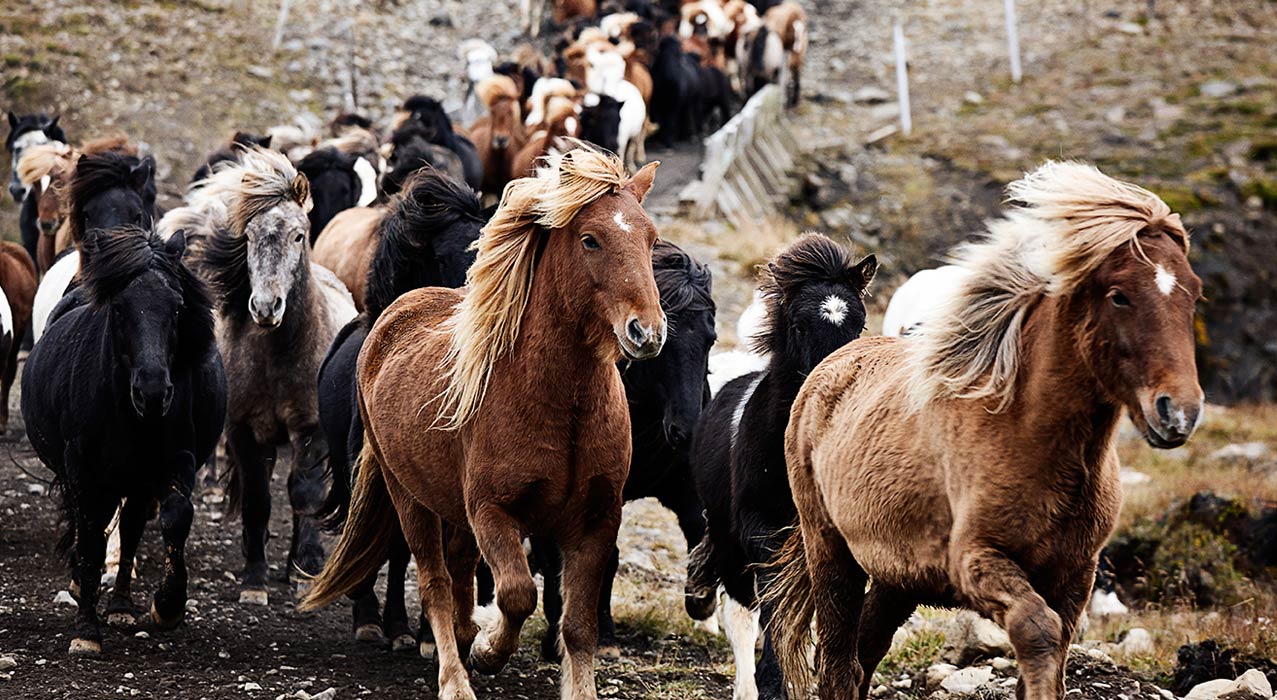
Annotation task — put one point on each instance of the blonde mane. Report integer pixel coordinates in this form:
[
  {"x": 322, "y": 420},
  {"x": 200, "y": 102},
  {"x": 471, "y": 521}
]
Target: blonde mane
[
  {"x": 236, "y": 192},
  {"x": 1070, "y": 219},
  {"x": 486, "y": 324},
  {"x": 42, "y": 160}
]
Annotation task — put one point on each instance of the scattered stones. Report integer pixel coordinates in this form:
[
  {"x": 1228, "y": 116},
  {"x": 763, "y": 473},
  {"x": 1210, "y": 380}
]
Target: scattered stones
[
  {"x": 969, "y": 637},
  {"x": 967, "y": 680},
  {"x": 936, "y": 674},
  {"x": 1137, "y": 642},
  {"x": 65, "y": 599},
  {"x": 1251, "y": 684},
  {"x": 8, "y": 663}
]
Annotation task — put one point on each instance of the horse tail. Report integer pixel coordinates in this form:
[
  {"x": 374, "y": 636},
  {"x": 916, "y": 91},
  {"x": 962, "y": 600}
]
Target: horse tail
[
  {"x": 365, "y": 541},
  {"x": 791, "y": 597}
]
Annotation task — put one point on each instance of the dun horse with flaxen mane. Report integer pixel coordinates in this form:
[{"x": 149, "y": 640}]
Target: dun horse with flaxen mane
[
  {"x": 498, "y": 412},
  {"x": 973, "y": 464}
]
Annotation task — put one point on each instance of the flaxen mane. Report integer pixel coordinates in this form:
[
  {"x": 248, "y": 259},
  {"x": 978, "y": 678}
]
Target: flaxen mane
[
  {"x": 42, "y": 160},
  {"x": 1070, "y": 218},
  {"x": 486, "y": 324}
]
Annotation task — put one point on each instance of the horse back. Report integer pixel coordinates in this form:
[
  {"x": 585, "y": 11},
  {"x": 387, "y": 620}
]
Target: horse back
[
  {"x": 18, "y": 279},
  {"x": 346, "y": 246}
]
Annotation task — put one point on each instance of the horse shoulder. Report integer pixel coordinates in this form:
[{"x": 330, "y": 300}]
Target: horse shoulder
[{"x": 411, "y": 323}]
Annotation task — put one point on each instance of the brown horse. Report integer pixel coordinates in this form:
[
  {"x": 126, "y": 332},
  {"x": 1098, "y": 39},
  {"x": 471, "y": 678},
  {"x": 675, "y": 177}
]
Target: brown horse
[
  {"x": 18, "y": 282},
  {"x": 346, "y": 246},
  {"x": 973, "y": 464},
  {"x": 498, "y": 135},
  {"x": 561, "y": 121},
  {"x": 498, "y": 412}
]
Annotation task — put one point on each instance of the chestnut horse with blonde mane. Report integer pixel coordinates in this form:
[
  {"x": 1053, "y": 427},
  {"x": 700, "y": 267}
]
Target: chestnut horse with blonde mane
[
  {"x": 497, "y": 412},
  {"x": 973, "y": 464}
]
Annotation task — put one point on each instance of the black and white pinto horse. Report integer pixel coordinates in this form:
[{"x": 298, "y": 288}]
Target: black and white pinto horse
[
  {"x": 24, "y": 132},
  {"x": 813, "y": 294},
  {"x": 665, "y": 396},
  {"x": 423, "y": 241},
  {"x": 277, "y": 313},
  {"x": 124, "y": 398}
]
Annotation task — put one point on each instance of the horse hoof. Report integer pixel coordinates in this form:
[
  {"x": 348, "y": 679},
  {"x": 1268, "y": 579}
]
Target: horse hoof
[
  {"x": 700, "y": 607},
  {"x": 611, "y": 652},
  {"x": 252, "y": 596},
  {"x": 84, "y": 647},
  {"x": 370, "y": 632},
  {"x": 426, "y": 649},
  {"x": 163, "y": 622},
  {"x": 120, "y": 618},
  {"x": 300, "y": 589},
  {"x": 482, "y": 661},
  {"x": 404, "y": 642}
]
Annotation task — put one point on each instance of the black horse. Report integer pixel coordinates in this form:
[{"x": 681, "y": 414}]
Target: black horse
[
  {"x": 665, "y": 396},
  {"x": 438, "y": 130},
  {"x": 124, "y": 397},
  {"x": 423, "y": 241},
  {"x": 108, "y": 190},
  {"x": 813, "y": 293},
  {"x": 26, "y": 131},
  {"x": 410, "y": 151},
  {"x": 334, "y": 185},
  {"x": 601, "y": 121}
]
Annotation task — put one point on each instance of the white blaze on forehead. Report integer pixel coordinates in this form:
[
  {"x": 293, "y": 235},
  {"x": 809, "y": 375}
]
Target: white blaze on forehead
[
  {"x": 1165, "y": 280},
  {"x": 834, "y": 309},
  {"x": 621, "y": 222}
]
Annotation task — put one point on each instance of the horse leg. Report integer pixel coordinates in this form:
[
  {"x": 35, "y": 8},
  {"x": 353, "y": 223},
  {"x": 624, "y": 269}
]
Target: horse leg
[
  {"x": 884, "y": 611},
  {"x": 550, "y": 560},
  {"x": 254, "y": 462},
  {"x": 364, "y": 612},
  {"x": 998, "y": 588},
  {"x": 485, "y": 588},
  {"x": 838, "y": 595},
  {"x": 500, "y": 541},
  {"x": 10, "y": 371},
  {"x": 1068, "y": 597},
  {"x": 700, "y": 593},
  {"x": 584, "y": 564},
  {"x": 90, "y": 549},
  {"x": 609, "y": 647},
  {"x": 758, "y": 539},
  {"x": 120, "y": 611},
  {"x": 176, "y": 513},
  {"x": 306, "y": 495},
  {"x": 741, "y": 625},
  {"x": 462, "y": 558},
  {"x": 423, "y": 532},
  {"x": 395, "y": 616}
]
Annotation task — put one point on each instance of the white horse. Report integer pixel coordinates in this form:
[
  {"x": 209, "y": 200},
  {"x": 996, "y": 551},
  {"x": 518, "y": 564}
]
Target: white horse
[
  {"x": 915, "y": 300},
  {"x": 605, "y": 75}
]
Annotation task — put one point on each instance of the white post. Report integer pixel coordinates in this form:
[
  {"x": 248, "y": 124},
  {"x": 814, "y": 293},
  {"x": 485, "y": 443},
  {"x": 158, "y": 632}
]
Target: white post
[
  {"x": 280, "y": 22},
  {"x": 1013, "y": 40},
  {"x": 902, "y": 80}
]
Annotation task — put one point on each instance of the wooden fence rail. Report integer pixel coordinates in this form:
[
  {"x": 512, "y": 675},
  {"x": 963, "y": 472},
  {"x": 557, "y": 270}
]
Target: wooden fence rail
[{"x": 745, "y": 171}]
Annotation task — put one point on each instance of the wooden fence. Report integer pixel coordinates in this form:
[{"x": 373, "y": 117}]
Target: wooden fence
[{"x": 745, "y": 171}]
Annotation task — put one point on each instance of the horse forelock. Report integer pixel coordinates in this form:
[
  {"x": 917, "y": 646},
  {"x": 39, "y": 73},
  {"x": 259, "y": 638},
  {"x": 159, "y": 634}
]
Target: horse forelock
[
  {"x": 683, "y": 282},
  {"x": 266, "y": 180},
  {"x": 100, "y": 172},
  {"x": 1069, "y": 218},
  {"x": 486, "y": 324},
  {"x": 813, "y": 258}
]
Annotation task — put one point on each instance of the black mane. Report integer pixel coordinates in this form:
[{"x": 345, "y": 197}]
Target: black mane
[
  {"x": 96, "y": 173},
  {"x": 324, "y": 159},
  {"x": 812, "y": 258},
  {"x": 119, "y": 255},
  {"x": 224, "y": 262},
  {"x": 684, "y": 283},
  {"x": 429, "y": 112},
  {"x": 429, "y": 207}
]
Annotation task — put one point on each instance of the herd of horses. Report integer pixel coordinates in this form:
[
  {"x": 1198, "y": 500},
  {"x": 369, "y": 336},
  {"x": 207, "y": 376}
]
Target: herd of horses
[{"x": 454, "y": 380}]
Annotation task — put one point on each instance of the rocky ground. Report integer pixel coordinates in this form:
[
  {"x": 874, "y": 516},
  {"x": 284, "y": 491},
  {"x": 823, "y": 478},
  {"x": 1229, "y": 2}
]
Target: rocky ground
[{"x": 1183, "y": 101}]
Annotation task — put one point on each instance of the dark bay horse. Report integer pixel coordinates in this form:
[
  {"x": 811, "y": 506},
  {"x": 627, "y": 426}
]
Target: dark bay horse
[
  {"x": 501, "y": 413},
  {"x": 124, "y": 398},
  {"x": 972, "y": 464},
  {"x": 665, "y": 395},
  {"x": 277, "y": 314},
  {"x": 424, "y": 240},
  {"x": 813, "y": 295}
]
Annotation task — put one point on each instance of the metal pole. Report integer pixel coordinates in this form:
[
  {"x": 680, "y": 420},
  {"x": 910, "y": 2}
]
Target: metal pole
[
  {"x": 902, "y": 80},
  {"x": 1013, "y": 41},
  {"x": 280, "y": 22}
]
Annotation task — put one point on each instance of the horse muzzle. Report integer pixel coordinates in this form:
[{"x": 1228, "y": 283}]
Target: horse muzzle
[
  {"x": 151, "y": 399},
  {"x": 17, "y": 191},
  {"x": 267, "y": 312},
  {"x": 640, "y": 342},
  {"x": 1168, "y": 423}
]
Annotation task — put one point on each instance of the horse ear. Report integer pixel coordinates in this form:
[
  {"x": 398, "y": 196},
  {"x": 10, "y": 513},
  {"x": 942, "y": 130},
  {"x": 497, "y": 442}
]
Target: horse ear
[
  {"x": 13, "y": 120},
  {"x": 864, "y": 271},
  {"x": 54, "y": 122},
  {"x": 642, "y": 181},
  {"x": 141, "y": 174},
  {"x": 175, "y": 246},
  {"x": 264, "y": 141}
]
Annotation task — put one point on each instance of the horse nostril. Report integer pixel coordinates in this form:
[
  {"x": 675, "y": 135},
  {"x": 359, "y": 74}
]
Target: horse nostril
[
  {"x": 676, "y": 436},
  {"x": 634, "y": 331},
  {"x": 1163, "y": 405}
]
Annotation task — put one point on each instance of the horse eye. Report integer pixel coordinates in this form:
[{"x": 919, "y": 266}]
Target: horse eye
[
  {"x": 589, "y": 242},
  {"x": 1119, "y": 299},
  {"x": 299, "y": 238}
]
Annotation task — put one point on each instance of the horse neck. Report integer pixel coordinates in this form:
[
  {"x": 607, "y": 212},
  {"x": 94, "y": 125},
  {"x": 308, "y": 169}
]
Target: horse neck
[{"x": 1056, "y": 392}]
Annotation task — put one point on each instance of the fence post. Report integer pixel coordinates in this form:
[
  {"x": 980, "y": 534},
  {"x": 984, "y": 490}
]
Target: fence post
[
  {"x": 902, "y": 79},
  {"x": 1013, "y": 40},
  {"x": 279, "y": 24}
]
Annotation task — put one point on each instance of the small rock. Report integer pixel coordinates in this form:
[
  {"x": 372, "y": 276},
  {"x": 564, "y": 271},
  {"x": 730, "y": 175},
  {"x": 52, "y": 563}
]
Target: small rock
[
  {"x": 880, "y": 691},
  {"x": 325, "y": 695},
  {"x": 882, "y": 134},
  {"x": 969, "y": 637},
  {"x": 902, "y": 683},
  {"x": 1256, "y": 682},
  {"x": 1211, "y": 690},
  {"x": 142, "y": 634},
  {"x": 1130, "y": 28},
  {"x": 1217, "y": 88},
  {"x": 8, "y": 663},
  {"x": 36, "y": 489},
  {"x": 1116, "y": 115},
  {"x": 250, "y": 686},
  {"x": 973, "y": 98},
  {"x": 870, "y": 95},
  {"x": 1003, "y": 664},
  {"x": 1137, "y": 642},
  {"x": 261, "y": 72},
  {"x": 65, "y": 598},
  {"x": 967, "y": 680},
  {"x": 936, "y": 673},
  {"x": 1241, "y": 454}
]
